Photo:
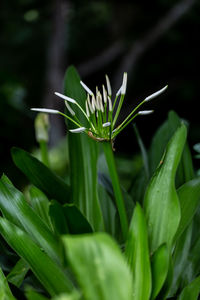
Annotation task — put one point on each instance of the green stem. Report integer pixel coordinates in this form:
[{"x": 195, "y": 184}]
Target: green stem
[
  {"x": 44, "y": 153},
  {"x": 116, "y": 187}
]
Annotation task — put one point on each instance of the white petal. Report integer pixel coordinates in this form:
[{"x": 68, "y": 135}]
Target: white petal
[
  {"x": 77, "y": 130},
  {"x": 145, "y": 112},
  {"x": 156, "y": 94},
  {"x": 119, "y": 92},
  {"x": 106, "y": 124},
  {"x": 110, "y": 104},
  {"x": 65, "y": 97},
  {"x": 104, "y": 94},
  {"x": 46, "y": 110},
  {"x": 124, "y": 83},
  {"x": 86, "y": 88},
  {"x": 108, "y": 86},
  {"x": 69, "y": 108}
]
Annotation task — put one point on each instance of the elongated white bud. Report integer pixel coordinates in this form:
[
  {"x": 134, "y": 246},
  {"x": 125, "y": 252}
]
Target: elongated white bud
[
  {"x": 108, "y": 86},
  {"x": 145, "y": 112},
  {"x": 93, "y": 103},
  {"x": 87, "y": 109},
  {"x": 110, "y": 104},
  {"x": 118, "y": 92},
  {"x": 77, "y": 130},
  {"x": 46, "y": 110},
  {"x": 69, "y": 109},
  {"x": 156, "y": 94},
  {"x": 89, "y": 104},
  {"x": 104, "y": 94},
  {"x": 124, "y": 84},
  {"x": 106, "y": 124},
  {"x": 86, "y": 88},
  {"x": 100, "y": 102},
  {"x": 65, "y": 97}
]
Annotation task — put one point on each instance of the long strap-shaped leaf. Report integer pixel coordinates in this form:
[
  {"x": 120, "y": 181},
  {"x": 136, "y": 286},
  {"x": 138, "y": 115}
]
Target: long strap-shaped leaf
[
  {"x": 137, "y": 253},
  {"x": 45, "y": 269},
  {"x": 189, "y": 195},
  {"x": 83, "y": 152},
  {"x": 162, "y": 207},
  {"x": 100, "y": 268},
  {"x": 41, "y": 176},
  {"x": 15, "y": 208},
  {"x": 5, "y": 292}
]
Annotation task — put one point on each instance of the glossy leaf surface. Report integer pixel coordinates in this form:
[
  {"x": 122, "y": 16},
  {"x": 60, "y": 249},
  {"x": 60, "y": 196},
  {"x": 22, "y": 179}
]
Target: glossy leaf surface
[
  {"x": 137, "y": 254},
  {"x": 45, "y": 269},
  {"x": 162, "y": 206}
]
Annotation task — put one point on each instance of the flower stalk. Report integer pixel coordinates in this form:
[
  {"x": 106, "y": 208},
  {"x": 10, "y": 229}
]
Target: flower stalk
[{"x": 116, "y": 188}]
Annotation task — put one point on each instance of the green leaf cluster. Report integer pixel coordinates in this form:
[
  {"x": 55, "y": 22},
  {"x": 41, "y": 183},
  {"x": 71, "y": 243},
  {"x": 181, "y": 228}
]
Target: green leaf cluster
[{"x": 65, "y": 240}]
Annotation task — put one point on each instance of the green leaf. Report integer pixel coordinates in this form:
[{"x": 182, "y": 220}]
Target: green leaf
[
  {"x": 162, "y": 207},
  {"x": 185, "y": 170},
  {"x": 5, "y": 292},
  {"x": 108, "y": 210},
  {"x": 45, "y": 269},
  {"x": 191, "y": 291},
  {"x": 137, "y": 253},
  {"x": 40, "y": 204},
  {"x": 17, "y": 274},
  {"x": 168, "y": 282},
  {"x": 58, "y": 219},
  {"x": 160, "y": 264},
  {"x": 71, "y": 296},
  {"x": 15, "y": 208},
  {"x": 180, "y": 259},
  {"x": 189, "y": 197},
  {"x": 83, "y": 153},
  {"x": 41, "y": 176},
  {"x": 77, "y": 224},
  {"x": 96, "y": 259},
  {"x": 33, "y": 295}
]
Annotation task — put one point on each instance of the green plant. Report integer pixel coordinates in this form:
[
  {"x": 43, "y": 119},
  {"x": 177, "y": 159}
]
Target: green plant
[{"x": 91, "y": 238}]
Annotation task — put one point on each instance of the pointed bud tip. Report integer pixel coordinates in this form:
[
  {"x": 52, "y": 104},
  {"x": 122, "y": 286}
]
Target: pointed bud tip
[
  {"x": 145, "y": 112},
  {"x": 156, "y": 94},
  {"x": 78, "y": 130},
  {"x": 46, "y": 110}
]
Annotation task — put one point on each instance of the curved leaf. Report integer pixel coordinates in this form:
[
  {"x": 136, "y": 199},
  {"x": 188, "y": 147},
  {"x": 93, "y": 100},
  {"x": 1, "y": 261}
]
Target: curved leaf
[
  {"x": 137, "y": 253},
  {"x": 15, "y": 208},
  {"x": 5, "y": 292},
  {"x": 189, "y": 197},
  {"x": 99, "y": 266},
  {"x": 41, "y": 176},
  {"x": 161, "y": 202},
  {"x": 160, "y": 264},
  {"x": 191, "y": 291},
  {"x": 45, "y": 269}
]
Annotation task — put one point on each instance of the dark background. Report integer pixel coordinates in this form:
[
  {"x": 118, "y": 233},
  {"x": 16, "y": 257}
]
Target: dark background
[{"x": 156, "y": 42}]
